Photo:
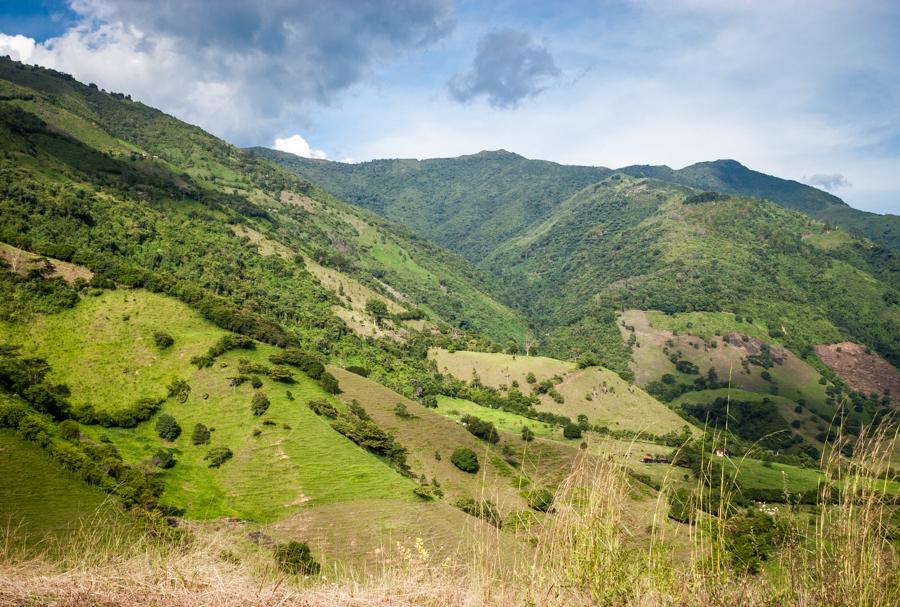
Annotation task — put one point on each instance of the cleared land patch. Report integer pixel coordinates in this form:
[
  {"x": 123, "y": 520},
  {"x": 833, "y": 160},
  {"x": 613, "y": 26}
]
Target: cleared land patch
[
  {"x": 23, "y": 262},
  {"x": 862, "y": 370},
  {"x": 790, "y": 377}
]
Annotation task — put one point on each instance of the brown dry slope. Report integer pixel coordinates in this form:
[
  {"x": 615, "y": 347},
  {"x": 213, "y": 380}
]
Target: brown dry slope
[{"x": 861, "y": 370}]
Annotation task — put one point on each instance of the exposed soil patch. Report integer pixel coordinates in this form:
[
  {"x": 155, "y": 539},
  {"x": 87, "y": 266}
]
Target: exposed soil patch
[
  {"x": 23, "y": 262},
  {"x": 864, "y": 372}
]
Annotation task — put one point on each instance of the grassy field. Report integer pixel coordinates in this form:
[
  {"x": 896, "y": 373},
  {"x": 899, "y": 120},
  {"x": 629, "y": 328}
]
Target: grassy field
[
  {"x": 299, "y": 461},
  {"x": 39, "y": 499},
  {"x": 431, "y": 433},
  {"x": 103, "y": 348},
  {"x": 511, "y": 423},
  {"x": 498, "y": 369},
  {"x": 793, "y": 378},
  {"x": 599, "y": 393}
]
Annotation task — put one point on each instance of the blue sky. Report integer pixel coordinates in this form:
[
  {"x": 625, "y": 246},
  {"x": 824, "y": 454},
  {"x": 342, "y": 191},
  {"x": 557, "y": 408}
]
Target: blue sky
[{"x": 803, "y": 90}]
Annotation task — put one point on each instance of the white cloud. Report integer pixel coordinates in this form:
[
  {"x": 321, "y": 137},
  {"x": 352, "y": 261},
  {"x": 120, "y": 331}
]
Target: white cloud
[
  {"x": 18, "y": 47},
  {"x": 830, "y": 181},
  {"x": 297, "y": 145}
]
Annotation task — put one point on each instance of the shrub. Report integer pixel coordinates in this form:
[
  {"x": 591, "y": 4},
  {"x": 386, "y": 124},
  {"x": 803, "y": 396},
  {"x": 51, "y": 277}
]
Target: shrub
[
  {"x": 361, "y": 371},
  {"x": 256, "y": 382},
  {"x": 167, "y": 427},
  {"x": 586, "y": 360},
  {"x": 260, "y": 403},
  {"x": 69, "y": 430},
  {"x": 281, "y": 373},
  {"x": 530, "y": 378},
  {"x": 482, "y": 429},
  {"x": 465, "y": 459},
  {"x": 540, "y": 500},
  {"x": 180, "y": 389},
  {"x": 571, "y": 430},
  {"x": 218, "y": 456},
  {"x": 323, "y": 408},
  {"x": 329, "y": 383},
  {"x": 377, "y": 309},
  {"x": 485, "y": 510},
  {"x": 163, "y": 340},
  {"x": 163, "y": 459},
  {"x": 402, "y": 412},
  {"x": 296, "y": 558},
  {"x": 527, "y": 434},
  {"x": 200, "y": 435}
]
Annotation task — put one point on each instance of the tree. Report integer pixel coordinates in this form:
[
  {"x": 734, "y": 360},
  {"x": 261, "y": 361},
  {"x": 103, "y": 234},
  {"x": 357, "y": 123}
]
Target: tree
[
  {"x": 167, "y": 427},
  {"x": 218, "y": 456},
  {"x": 200, "y": 435},
  {"x": 465, "y": 459},
  {"x": 260, "y": 403},
  {"x": 282, "y": 374},
  {"x": 482, "y": 429},
  {"x": 377, "y": 309},
  {"x": 163, "y": 340},
  {"x": 571, "y": 430},
  {"x": 329, "y": 383},
  {"x": 296, "y": 558},
  {"x": 69, "y": 430}
]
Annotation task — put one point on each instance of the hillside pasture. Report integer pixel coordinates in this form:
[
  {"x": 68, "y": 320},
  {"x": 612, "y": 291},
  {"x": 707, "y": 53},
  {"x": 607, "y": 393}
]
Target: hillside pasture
[
  {"x": 104, "y": 350},
  {"x": 494, "y": 369},
  {"x": 40, "y": 500},
  {"x": 792, "y": 377}
]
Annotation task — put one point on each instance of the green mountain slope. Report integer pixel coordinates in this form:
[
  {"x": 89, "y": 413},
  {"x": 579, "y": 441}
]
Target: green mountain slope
[
  {"x": 642, "y": 243},
  {"x": 471, "y": 204},
  {"x": 467, "y": 204},
  {"x": 145, "y": 199},
  {"x": 731, "y": 177}
]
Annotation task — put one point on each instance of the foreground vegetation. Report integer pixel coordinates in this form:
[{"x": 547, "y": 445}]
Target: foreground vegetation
[{"x": 843, "y": 552}]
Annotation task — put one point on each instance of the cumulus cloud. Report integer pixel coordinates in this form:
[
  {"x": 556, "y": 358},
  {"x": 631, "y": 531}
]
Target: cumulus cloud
[
  {"x": 298, "y": 146},
  {"x": 509, "y": 67},
  {"x": 829, "y": 182},
  {"x": 245, "y": 68},
  {"x": 18, "y": 47}
]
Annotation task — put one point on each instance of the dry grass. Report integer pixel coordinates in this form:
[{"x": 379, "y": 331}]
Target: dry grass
[{"x": 583, "y": 554}]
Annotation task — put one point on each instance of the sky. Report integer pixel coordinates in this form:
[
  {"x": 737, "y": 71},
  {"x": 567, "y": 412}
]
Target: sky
[{"x": 802, "y": 90}]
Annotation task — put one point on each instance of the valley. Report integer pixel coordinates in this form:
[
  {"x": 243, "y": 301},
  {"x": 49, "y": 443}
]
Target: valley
[{"x": 319, "y": 379}]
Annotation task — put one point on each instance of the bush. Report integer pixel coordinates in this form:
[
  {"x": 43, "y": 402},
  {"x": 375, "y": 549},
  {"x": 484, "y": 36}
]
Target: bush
[
  {"x": 200, "y": 435},
  {"x": 482, "y": 429},
  {"x": 527, "y": 434},
  {"x": 465, "y": 459},
  {"x": 540, "y": 500},
  {"x": 256, "y": 382},
  {"x": 485, "y": 510},
  {"x": 323, "y": 408},
  {"x": 571, "y": 430},
  {"x": 361, "y": 371},
  {"x": 163, "y": 340},
  {"x": 281, "y": 373},
  {"x": 402, "y": 412},
  {"x": 260, "y": 403},
  {"x": 329, "y": 383},
  {"x": 167, "y": 427},
  {"x": 296, "y": 558},
  {"x": 69, "y": 430},
  {"x": 218, "y": 456},
  {"x": 163, "y": 459},
  {"x": 180, "y": 389}
]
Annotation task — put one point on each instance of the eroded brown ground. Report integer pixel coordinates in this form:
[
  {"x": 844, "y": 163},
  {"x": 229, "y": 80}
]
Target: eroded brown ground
[{"x": 861, "y": 371}]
